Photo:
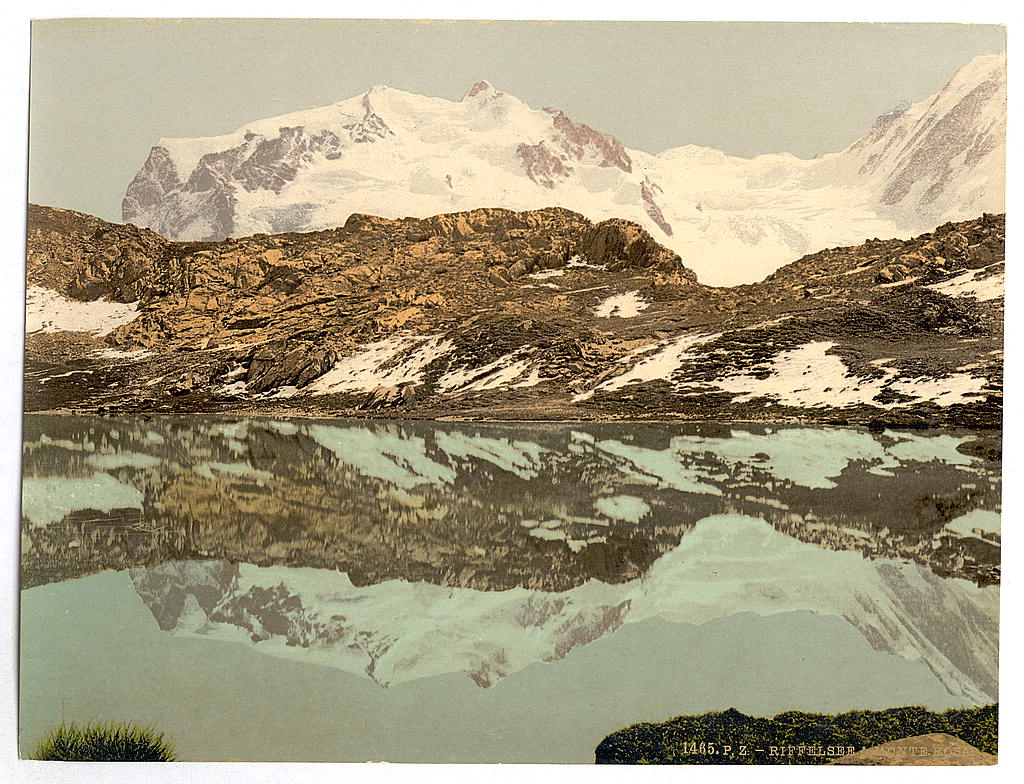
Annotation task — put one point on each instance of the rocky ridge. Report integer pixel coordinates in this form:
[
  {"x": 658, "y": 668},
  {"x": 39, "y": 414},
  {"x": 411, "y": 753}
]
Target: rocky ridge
[{"x": 500, "y": 315}]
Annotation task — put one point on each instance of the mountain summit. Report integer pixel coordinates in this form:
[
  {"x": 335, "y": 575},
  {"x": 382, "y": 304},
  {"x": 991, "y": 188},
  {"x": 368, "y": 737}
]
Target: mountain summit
[{"x": 733, "y": 220}]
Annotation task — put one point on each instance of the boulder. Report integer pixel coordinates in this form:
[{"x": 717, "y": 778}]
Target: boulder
[{"x": 935, "y": 748}]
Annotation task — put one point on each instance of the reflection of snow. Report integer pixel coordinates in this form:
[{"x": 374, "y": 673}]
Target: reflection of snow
[
  {"x": 623, "y": 507},
  {"x": 727, "y": 564},
  {"x": 977, "y": 523},
  {"x": 657, "y": 467},
  {"x": 213, "y": 470},
  {"x": 124, "y": 460},
  {"x": 402, "y": 461},
  {"x": 518, "y": 457},
  {"x": 50, "y": 499}
]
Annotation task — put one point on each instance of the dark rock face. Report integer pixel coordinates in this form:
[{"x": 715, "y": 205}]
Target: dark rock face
[
  {"x": 542, "y": 166},
  {"x": 623, "y": 245},
  {"x": 581, "y": 141},
  {"x": 287, "y": 363},
  {"x": 647, "y": 191},
  {"x": 202, "y": 207}
]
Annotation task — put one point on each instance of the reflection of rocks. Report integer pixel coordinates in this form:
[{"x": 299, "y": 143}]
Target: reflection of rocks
[
  {"x": 395, "y": 631},
  {"x": 165, "y": 589},
  {"x": 494, "y": 507}
]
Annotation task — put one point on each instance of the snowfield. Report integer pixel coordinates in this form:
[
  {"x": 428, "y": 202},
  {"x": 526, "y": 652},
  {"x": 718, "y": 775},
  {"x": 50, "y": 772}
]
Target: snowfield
[
  {"x": 732, "y": 220},
  {"x": 48, "y": 311}
]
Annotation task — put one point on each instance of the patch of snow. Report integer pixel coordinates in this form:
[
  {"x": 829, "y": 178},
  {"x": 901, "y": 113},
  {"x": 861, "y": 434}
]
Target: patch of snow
[
  {"x": 532, "y": 380},
  {"x": 810, "y": 377},
  {"x": 658, "y": 367},
  {"x": 283, "y": 392},
  {"x": 234, "y": 373},
  {"x": 807, "y": 377},
  {"x": 622, "y": 305},
  {"x": 386, "y": 363},
  {"x": 974, "y": 283},
  {"x": 502, "y": 372},
  {"x": 115, "y": 353},
  {"x": 944, "y": 391},
  {"x": 48, "y": 311},
  {"x": 235, "y": 388},
  {"x": 580, "y": 262}
]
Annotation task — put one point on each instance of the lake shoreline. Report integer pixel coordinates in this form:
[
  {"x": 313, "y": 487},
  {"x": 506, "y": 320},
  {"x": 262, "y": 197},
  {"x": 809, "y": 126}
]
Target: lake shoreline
[{"x": 875, "y": 425}]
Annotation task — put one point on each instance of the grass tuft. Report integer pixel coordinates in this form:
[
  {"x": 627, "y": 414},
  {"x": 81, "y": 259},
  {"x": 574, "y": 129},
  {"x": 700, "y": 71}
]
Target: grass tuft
[{"x": 104, "y": 742}]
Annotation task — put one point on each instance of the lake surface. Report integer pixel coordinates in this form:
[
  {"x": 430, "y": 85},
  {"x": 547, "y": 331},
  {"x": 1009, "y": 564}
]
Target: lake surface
[{"x": 352, "y": 590}]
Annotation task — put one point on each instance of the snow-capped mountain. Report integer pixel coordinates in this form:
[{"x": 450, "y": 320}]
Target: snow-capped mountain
[
  {"x": 733, "y": 220},
  {"x": 398, "y": 631}
]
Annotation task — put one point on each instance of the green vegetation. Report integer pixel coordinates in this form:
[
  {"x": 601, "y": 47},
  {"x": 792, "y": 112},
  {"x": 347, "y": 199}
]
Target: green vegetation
[
  {"x": 104, "y": 742},
  {"x": 732, "y": 738}
]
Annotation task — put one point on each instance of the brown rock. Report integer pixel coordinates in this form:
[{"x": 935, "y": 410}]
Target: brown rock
[{"x": 936, "y": 748}]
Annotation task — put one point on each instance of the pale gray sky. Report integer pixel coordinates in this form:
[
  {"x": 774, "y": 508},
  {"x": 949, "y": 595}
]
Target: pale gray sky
[{"x": 104, "y": 91}]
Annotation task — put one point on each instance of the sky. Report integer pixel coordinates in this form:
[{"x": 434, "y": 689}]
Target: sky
[{"x": 103, "y": 92}]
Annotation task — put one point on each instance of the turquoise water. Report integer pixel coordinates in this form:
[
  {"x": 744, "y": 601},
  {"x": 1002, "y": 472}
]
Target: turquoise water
[{"x": 296, "y": 590}]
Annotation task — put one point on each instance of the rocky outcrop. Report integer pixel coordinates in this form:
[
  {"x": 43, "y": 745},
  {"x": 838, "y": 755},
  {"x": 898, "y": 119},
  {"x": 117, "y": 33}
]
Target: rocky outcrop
[
  {"x": 541, "y": 165},
  {"x": 496, "y": 314},
  {"x": 624, "y": 245},
  {"x": 933, "y": 748},
  {"x": 581, "y": 142}
]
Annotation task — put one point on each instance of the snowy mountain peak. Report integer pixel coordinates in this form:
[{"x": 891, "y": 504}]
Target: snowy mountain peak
[
  {"x": 483, "y": 86},
  {"x": 733, "y": 220}
]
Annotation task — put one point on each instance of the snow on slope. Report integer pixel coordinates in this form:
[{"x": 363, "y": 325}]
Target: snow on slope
[
  {"x": 48, "y": 311},
  {"x": 397, "y": 631},
  {"x": 732, "y": 220},
  {"x": 941, "y": 159}
]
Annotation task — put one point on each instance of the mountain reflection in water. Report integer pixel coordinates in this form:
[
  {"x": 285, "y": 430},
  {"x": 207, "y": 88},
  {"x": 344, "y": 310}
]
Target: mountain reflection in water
[
  {"x": 489, "y": 507},
  {"x": 401, "y": 556}
]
